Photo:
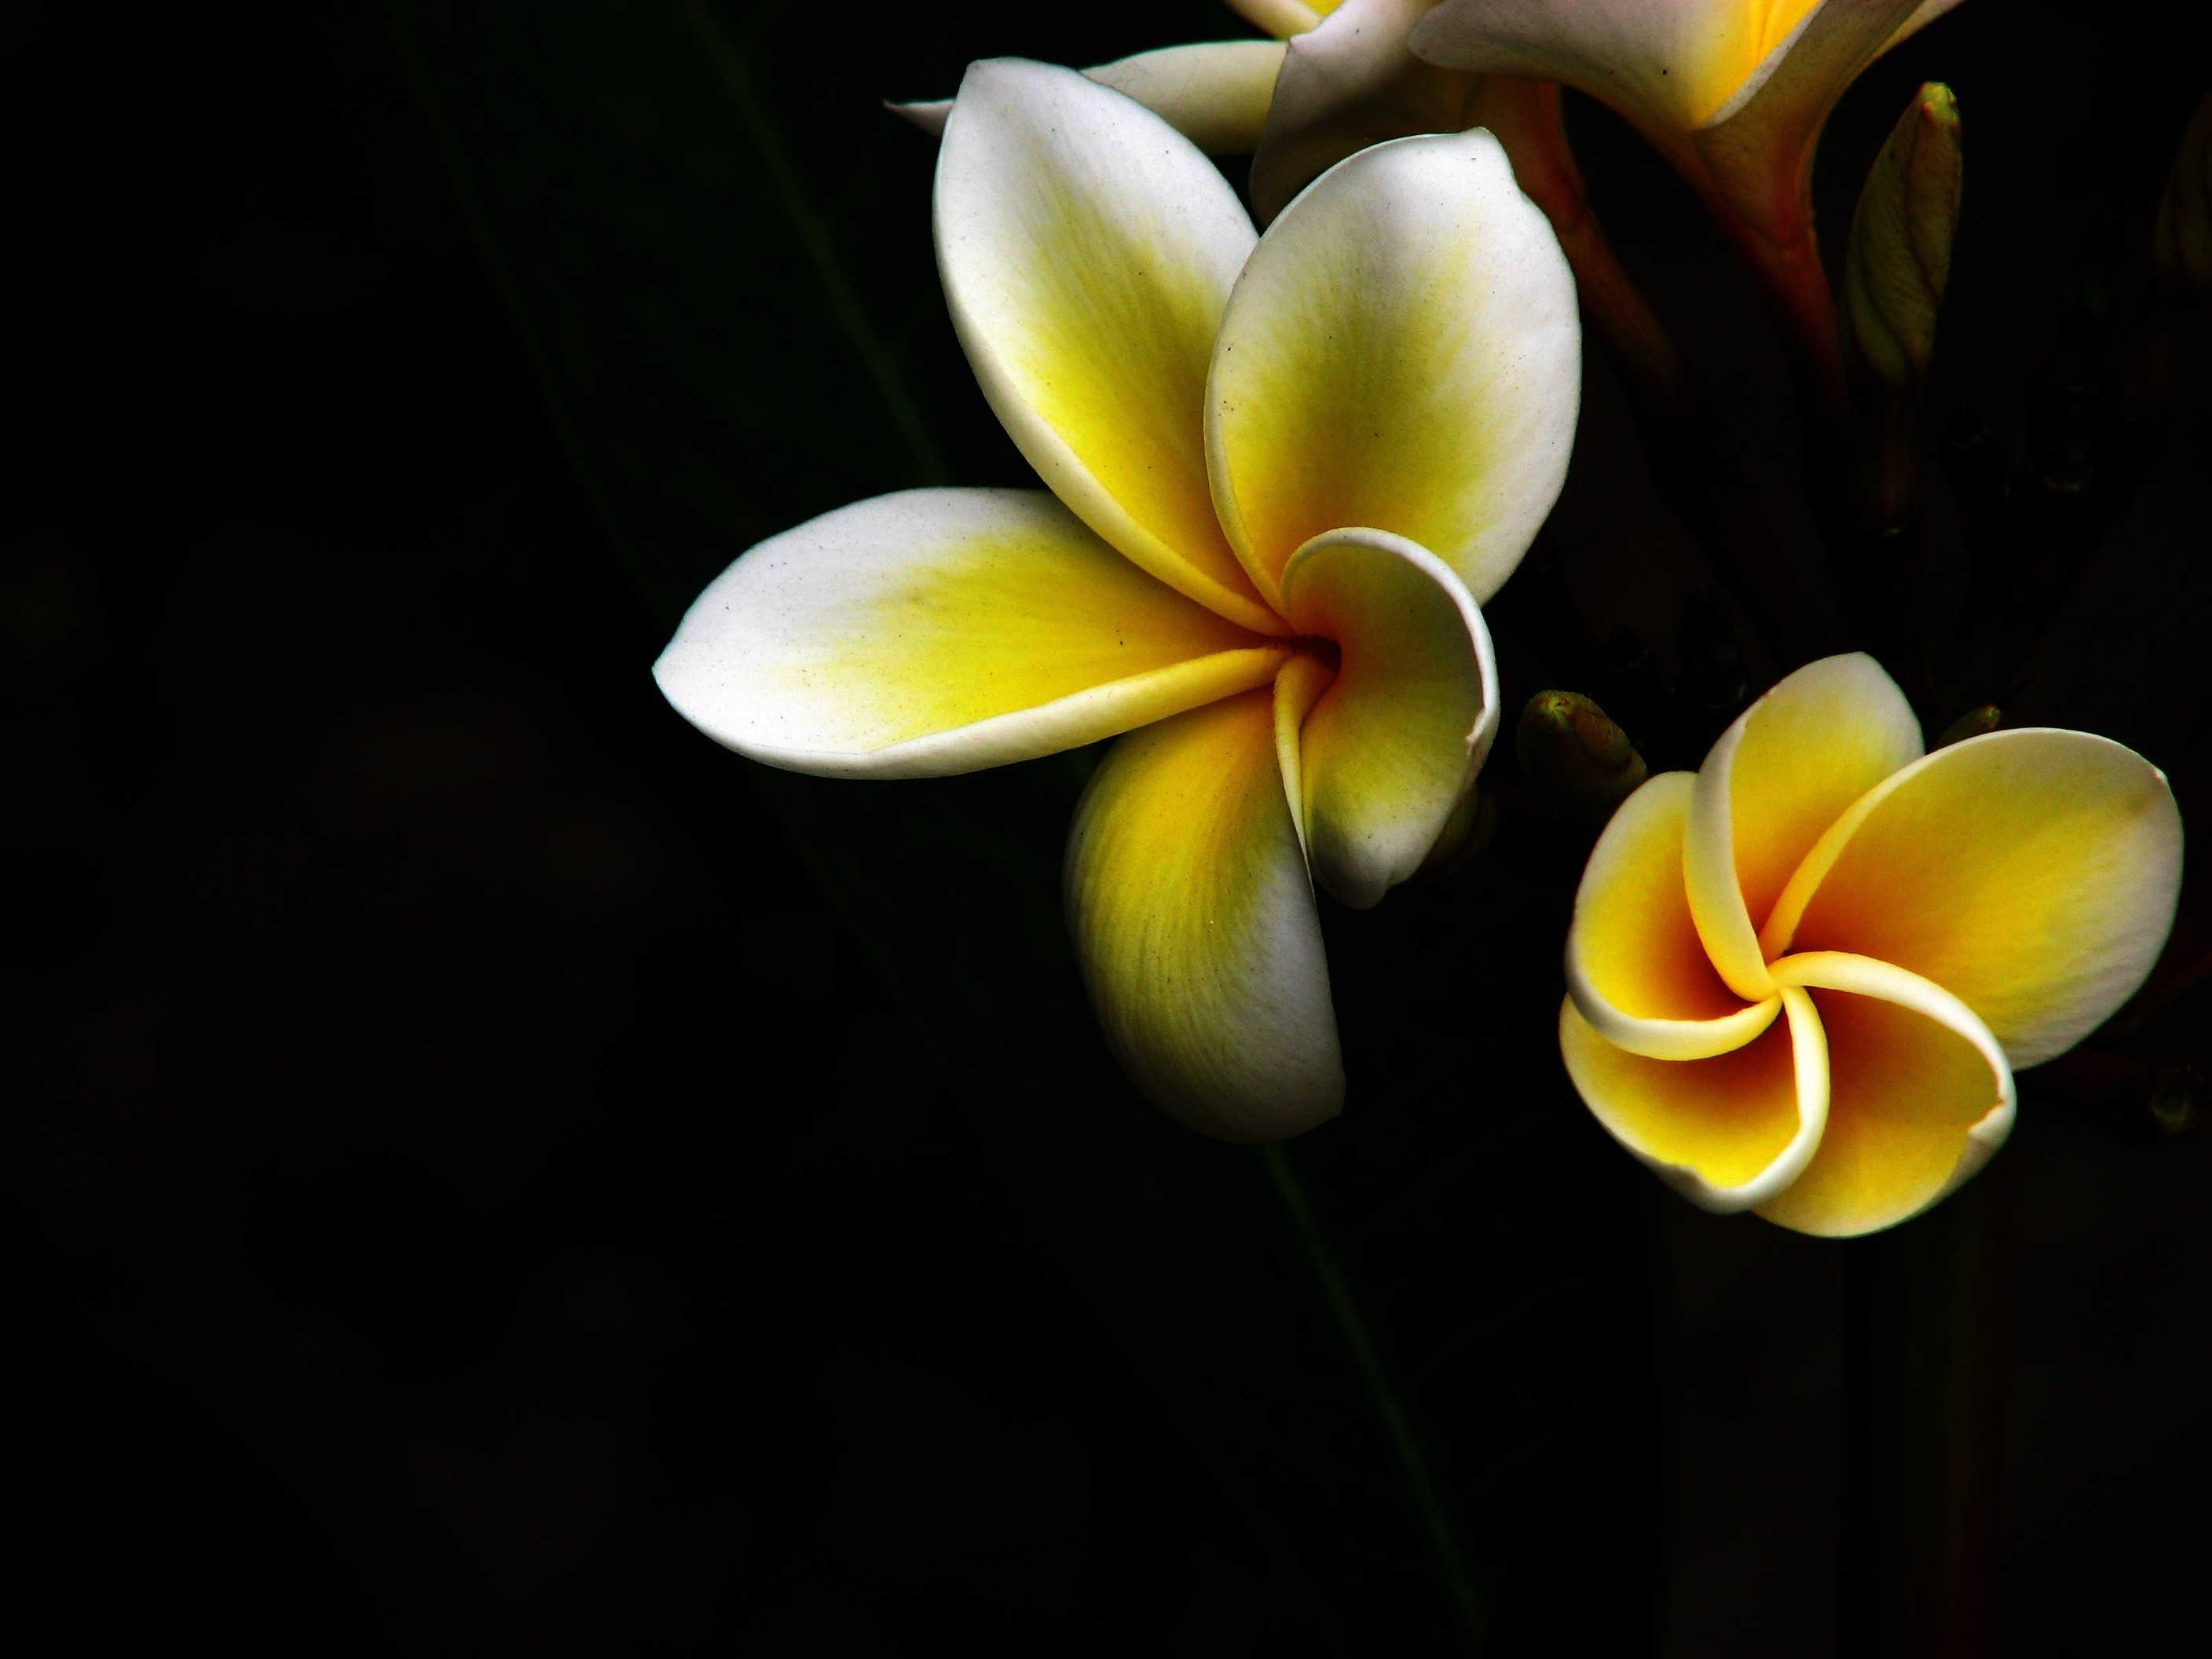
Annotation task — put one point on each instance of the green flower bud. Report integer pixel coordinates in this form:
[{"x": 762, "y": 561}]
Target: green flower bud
[
  {"x": 1578, "y": 762},
  {"x": 1971, "y": 724},
  {"x": 1900, "y": 256},
  {"x": 2181, "y": 240}
]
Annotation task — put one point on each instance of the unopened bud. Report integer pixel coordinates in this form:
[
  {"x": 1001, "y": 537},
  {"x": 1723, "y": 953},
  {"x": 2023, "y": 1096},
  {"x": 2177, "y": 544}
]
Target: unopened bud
[
  {"x": 1971, "y": 724},
  {"x": 2181, "y": 240},
  {"x": 1898, "y": 259},
  {"x": 1577, "y": 761}
]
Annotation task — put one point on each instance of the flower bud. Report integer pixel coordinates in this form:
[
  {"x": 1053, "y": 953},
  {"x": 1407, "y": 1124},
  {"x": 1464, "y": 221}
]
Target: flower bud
[
  {"x": 1971, "y": 724},
  {"x": 1900, "y": 256},
  {"x": 2181, "y": 240},
  {"x": 1577, "y": 761}
]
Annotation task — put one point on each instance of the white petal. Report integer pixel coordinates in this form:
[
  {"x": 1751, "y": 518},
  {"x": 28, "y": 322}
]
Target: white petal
[
  {"x": 1195, "y": 927},
  {"x": 1394, "y": 743},
  {"x": 941, "y": 631},
  {"x": 1403, "y": 352},
  {"x": 1088, "y": 250}
]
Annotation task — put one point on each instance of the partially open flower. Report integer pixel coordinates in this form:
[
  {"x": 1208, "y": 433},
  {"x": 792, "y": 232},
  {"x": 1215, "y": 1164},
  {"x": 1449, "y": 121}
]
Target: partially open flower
[
  {"x": 1734, "y": 92},
  {"x": 1799, "y": 979},
  {"x": 1286, "y": 469}
]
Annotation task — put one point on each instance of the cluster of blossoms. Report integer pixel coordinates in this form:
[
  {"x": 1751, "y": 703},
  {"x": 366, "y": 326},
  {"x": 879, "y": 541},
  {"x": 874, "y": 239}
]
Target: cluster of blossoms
[{"x": 1284, "y": 471}]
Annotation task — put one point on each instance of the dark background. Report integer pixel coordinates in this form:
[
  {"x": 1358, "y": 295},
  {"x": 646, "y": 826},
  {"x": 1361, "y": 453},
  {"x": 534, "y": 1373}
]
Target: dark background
[{"x": 465, "y": 1187}]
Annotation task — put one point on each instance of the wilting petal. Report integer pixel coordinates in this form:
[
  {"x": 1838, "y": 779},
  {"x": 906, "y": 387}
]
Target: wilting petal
[
  {"x": 1919, "y": 1096},
  {"x": 940, "y": 631},
  {"x": 1636, "y": 967},
  {"x": 1088, "y": 250},
  {"x": 1729, "y": 1132},
  {"x": 2032, "y": 874},
  {"x": 1402, "y": 352},
  {"x": 1194, "y": 924},
  {"x": 1350, "y": 84},
  {"x": 1395, "y": 742},
  {"x": 1674, "y": 64},
  {"x": 1778, "y": 779}
]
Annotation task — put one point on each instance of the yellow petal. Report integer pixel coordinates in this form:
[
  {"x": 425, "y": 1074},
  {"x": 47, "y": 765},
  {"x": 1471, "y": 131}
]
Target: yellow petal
[
  {"x": 1668, "y": 64},
  {"x": 1919, "y": 1097},
  {"x": 1195, "y": 927},
  {"x": 2032, "y": 874},
  {"x": 1636, "y": 967},
  {"x": 1298, "y": 687},
  {"x": 1394, "y": 743},
  {"x": 1216, "y": 93},
  {"x": 940, "y": 631},
  {"x": 1088, "y": 249},
  {"x": 1789, "y": 768},
  {"x": 1727, "y": 1131},
  {"x": 1283, "y": 18},
  {"x": 1402, "y": 352}
]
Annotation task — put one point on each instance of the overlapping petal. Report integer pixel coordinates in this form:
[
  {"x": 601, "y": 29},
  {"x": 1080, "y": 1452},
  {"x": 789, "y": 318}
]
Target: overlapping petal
[
  {"x": 1727, "y": 1131},
  {"x": 1394, "y": 743},
  {"x": 1284, "y": 18},
  {"x": 1088, "y": 250},
  {"x": 1215, "y": 93},
  {"x": 1919, "y": 1097},
  {"x": 1787, "y": 770},
  {"x": 1680, "y": 64},
  {"x": 1194, "y": 924},
  {"x": 1350, "y": 84},
  {"x": 1402, "y": 352},
  {"x": 1636, "y": 971},
  {"x": 944, "y": 631},
  {"x": 2032, "y": 874}
]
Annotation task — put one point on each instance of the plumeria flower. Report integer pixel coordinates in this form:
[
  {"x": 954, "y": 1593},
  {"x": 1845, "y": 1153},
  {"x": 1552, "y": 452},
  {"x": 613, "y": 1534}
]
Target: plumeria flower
[
  {"x": 1734, "y": 92},
  {"x": 1284, "y": 470},
  {"x": 1800, "y": 978}
]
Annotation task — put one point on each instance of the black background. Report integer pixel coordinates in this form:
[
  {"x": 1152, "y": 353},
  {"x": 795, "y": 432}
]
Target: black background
[{"x": 466, "y": 1189}]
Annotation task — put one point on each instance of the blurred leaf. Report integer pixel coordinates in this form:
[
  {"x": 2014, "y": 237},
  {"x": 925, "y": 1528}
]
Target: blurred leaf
[{"x": 717, "y": 247}]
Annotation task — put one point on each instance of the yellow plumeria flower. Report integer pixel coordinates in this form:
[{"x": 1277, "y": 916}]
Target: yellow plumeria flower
[
  {"x": 1734, "y": 92},
  {"x": 1800, "y": 978},
  {"x": 1284, "y": 470}
]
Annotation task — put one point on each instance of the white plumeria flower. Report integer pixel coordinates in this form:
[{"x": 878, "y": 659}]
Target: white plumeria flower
[
  {"x": 1285, "y": 472},
  {"x": 1734, "y": 92}
]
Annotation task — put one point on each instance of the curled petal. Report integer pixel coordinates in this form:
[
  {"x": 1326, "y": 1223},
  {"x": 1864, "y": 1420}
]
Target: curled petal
[
  {"x": 1194, "y": 924},
  {"x": 1727, "y": 1131},
  {"x": 1088, "y": 249},
  {"x": 1671, "y": 63},
  {"x": 941, "y": 631},
  {"x": 1787, "y": 770},
  {"x": 1637, "y": 971},
  {"x": 2034, "y": 874},
  {"x": 1394, "y": 743},
  {"x": 1919, "y": 1097},
  {"x": 1402, "y": 352}
]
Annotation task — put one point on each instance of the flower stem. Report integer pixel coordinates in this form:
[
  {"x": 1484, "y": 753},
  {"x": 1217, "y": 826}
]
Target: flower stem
[
  {"x": 1924, "y": 1338},
  {"x": 1336, "y": 1291}
]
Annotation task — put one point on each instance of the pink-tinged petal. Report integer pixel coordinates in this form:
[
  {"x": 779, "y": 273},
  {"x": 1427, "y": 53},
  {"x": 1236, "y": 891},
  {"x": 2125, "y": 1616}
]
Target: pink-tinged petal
[
  {"x": 1790, "y": 766},
  {"x": 2032, "y": 874}
]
